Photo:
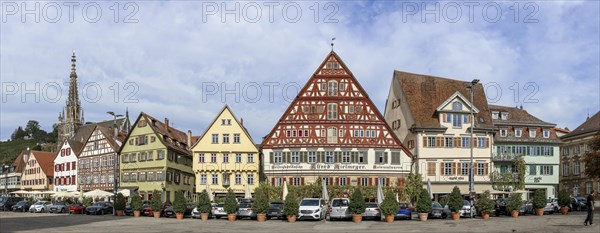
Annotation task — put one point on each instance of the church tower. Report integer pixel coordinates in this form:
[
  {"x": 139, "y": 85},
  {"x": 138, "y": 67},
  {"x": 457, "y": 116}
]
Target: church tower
[{"x": 72, "y": 116}]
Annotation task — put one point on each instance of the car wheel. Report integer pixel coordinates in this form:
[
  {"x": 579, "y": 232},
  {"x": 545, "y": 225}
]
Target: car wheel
[
  {"x": 218, "y": 217},
  {"x": 63, "y": 210}
]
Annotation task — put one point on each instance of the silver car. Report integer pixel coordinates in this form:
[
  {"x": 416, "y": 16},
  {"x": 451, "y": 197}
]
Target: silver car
[
  {"x": 372, "y": 211},
  {"x": 467, "y": 209},
  {"x": 339, "y": 209},
  {"x": 245, "y": 211},
  {"x": 219, "y": 211},
  {"x": 58, "y": 207}
]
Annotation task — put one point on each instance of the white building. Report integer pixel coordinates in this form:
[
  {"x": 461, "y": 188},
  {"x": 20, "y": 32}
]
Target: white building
[{"x": 65, "y": 166}]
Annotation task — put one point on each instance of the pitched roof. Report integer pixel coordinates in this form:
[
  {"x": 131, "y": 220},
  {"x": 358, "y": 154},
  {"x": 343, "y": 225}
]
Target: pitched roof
[
  {"x": 425, "y": 93},
  {"x": 109, "y": 135},
  {"x": 76, "y": 146},
  {"x": 163, "y": 132},
  {"x": 517, "y": 116},
  {"x": 45, "y": 160},
  {"x": 226, "y": 107},
  {"x": 590, "y": 125},
  {"x": 85, "y": 131},
  {"x": 19, "y": 163}
]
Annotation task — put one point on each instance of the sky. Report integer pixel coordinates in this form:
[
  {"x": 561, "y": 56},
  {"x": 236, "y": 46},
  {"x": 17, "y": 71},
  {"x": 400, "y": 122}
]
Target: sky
[{"x": 184, "y": 60}]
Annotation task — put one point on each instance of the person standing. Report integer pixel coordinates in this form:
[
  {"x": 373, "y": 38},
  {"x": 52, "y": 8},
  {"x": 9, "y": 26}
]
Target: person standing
[{"x": 590, "y": 209}]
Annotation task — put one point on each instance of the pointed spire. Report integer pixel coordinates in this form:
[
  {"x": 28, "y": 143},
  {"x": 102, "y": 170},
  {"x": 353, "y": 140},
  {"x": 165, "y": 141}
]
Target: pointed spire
[{"x": 73, "y": 60}]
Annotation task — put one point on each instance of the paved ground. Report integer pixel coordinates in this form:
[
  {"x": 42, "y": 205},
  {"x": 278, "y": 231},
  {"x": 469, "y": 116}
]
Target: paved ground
[{"x": 27, "y": 222}]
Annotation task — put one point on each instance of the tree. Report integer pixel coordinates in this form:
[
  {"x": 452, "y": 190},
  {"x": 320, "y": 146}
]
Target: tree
[
  {"x": 231, "y": 206},
  {"x": 32, "y": 127},
  {"x": 485, "y": 204},
  {"x": 291, "y": 205},
  {"x": 261, "y": 199},
  {"x": 592, "y": 158},
  {"x": 424, "y": 204},
  {"x": 514, "y": 202},
  {"x": 136, "y": 202},
  {"x": 414, "y": 184},
  {"x": 156, "y": 203},
  {"x": 563, "y": 198},
  {"x": 19, "y": 133},
  {"x": 357, "y": 202},
  {"x": 455, "y": 202},
  {"x": 389, "y": 206},
  {"x": 179, "y": 203},
  {"x": 514, "y": 180},
  {"x": 120, "y": 202}
]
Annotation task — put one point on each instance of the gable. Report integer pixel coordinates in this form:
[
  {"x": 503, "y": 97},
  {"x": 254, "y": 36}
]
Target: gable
[
  {"x": 457, "y": 99},
  {"x": 225, "y": 123}
]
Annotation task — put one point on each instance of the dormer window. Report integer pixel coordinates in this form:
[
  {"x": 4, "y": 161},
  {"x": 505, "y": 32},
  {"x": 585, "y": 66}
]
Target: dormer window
[
  {"x": 495, "y": 115},
  {"x": 532, "y": 133},
  {"x": 503, "y": 132},
  {"x": 456, "y": 106},
  {"x": 546, "y": 133},
  {"x": 332, "y": 88},
  {"x": 504, "y": 115},
  {"x": 518, "y": 133}
]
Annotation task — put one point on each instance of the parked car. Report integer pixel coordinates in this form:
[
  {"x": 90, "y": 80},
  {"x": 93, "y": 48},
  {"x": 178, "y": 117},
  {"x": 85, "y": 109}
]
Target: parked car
[
  {"x": 76, "y": 208},
  {"x": 438, "y": 211},
  {"x": 527, "y": 208},
  {"x": 196, "y": 213},
  {"x": 170, "y": 213},
  {"x": 275, "y": 210},
  {"x": 578, "y": 203},
  {"x": 500, "y": 208},
  {"x": 58, "y": 207},
  {"x": 129, "y": 211},
  {"x": 467, "y": 209},
  {"x": 340, "y": 209},
  {"x": 372, "y": 211},
  {"x": 551, "y": 206},
  {"x": 245, "y": 211},
  {"x": 312, "y": 208},
  {"x": 39, "y": 207},
  {"x": 6, "y": 203},
  {"x": 21, "y": 206},
  {"x": 404, "y": 212},
  {"x": 147, "y": 211},
  {"x": 101, "y": 208},
  {"x": 219, "y": 211}
]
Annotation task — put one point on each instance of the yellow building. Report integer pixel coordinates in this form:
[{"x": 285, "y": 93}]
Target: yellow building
[
  {"x": 39, "y": 171},
  {"x": 225, "y": 157}
]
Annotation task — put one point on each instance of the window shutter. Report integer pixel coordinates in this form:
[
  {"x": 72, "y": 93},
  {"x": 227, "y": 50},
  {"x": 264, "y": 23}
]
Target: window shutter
[
  {"x": 354, "y": 157},
  {"x": 272, "y": 159},
  {"x": 366, "y": 157},
  {"x": 475, "y": 169},
  {"x": 385, "y": 157},
  {"x": 358, "y": 181},
  {"x": 272, "y": 180},
  {"x": 348, "y": 181},
  {"x": 387, "y": 181},
  {"x": 370, "y": 181},
  {"x": 330, "y": 180},
  {"x": 457, "y": 142},
  {"x": 486, "y": 169},
  {"x": 487, "y": 142},
  {"x": 443, "y": 117},
  {"x": 440, "y": 141},
  {"x": 301, "y": 180},
  {"x": 442, "y": 168},
  {"x": 474, "y": 141},
  {"x": 291, "y": 180},
  {"x": 303, "y": 156},
  {"x": 454, "y": 170},
  {"x": 337, "y": 158},
  {"x": 425, "y": 142}
]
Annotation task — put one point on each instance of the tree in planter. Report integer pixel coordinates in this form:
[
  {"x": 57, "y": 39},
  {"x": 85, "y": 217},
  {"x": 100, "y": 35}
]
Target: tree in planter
[
  {"x": 485, "y": 204},
  {"x": 179, "y": 204},
  {"x": 539, "y": 201},
  {"x": 136, "y": 203},
  {"x": 120, "y": 204},
  {"x": 424, "y": 203},
  {"x": 291, "y": 206},
  {"x": 156, "y": 203},
  {"x": 414, "y": 184},
  {"x": 389, "y": 206},
  {"x": 261, "y": 201},
  {"x": 563, "y": 200},
  {"x": 455, "y": 202},
  {"x": 231, "y": 206},
  {"x": 204, "y": 206},
  {"x": 357, "y": 205},
  {"x": 514, "y": 203},
  {"x": 87, "y": 201}
]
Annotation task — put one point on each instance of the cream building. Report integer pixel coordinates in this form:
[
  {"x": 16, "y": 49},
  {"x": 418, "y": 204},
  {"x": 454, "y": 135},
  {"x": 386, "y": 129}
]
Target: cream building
[
  {"x": 38, "y": 172},
  {"x": 225, "y": 156}
]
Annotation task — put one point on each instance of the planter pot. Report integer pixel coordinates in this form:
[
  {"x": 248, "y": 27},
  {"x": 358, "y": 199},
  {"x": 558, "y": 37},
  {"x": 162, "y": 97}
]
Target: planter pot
[
  {"x": 156, "y": 214},
  {"x": 291, "y": 218},
  {"x": 485, "y": 215},
  {"x": 231, "y": 217},
  {"x": 357, "y": 218},
  {"x": 136, "y": 213},
  {"x": 179, "y": 215},
  {"x": 389, "y": 218},
  {"x": 204, "y": 216},
  {"x": 261, "y": 217},
  {"x": 455, "y": 215},
  {"x": 514, "y": 213},
  {"x": 423, "y": 216},
  {"x": 564, "y": 210},
  {"x": 120, "y": 213},
  {"x": 539, "y": 212}
]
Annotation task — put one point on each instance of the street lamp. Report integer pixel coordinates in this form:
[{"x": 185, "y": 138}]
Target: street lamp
[
  {"x": 115, "y": 159},
  {"x": 471, "y": 168}
]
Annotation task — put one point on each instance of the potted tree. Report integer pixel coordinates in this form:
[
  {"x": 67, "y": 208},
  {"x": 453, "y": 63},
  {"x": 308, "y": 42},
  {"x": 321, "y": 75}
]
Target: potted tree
[
  {"x": 564, "y": 201},
  {"x": 291, "y": 207},
  {"x": 120, "y": 204},
  {"x": 513, "y": 204},
  {"x": 136, "y": 204},
  {"x": 231, "y": 206},
  {"x": 261, "y": 202},
  {"x": 485, "y": 204},
  {"x": 87, "y": 201},
  {"x": 389, "y": 207},
  {"x": 424, "y": 205},
  {"x": 539, "y": 201},
  {"x": 179, "y": 205},
  {"x": 357, "y": 205},
  {"x": 204, "y": 206},
  {"x": 455, "y": 203},
  {"x": 156, "y": 204}
]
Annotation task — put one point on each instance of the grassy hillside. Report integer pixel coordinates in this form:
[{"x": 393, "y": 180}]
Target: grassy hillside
[{"x": 10, "y": 150}]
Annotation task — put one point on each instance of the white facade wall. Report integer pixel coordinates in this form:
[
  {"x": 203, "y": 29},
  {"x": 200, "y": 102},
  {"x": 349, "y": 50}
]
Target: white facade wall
[{"x": 65, "y": 169}]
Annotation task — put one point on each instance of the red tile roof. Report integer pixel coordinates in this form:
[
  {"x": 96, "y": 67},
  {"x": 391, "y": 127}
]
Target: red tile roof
[{"x": 45, "y": 160}]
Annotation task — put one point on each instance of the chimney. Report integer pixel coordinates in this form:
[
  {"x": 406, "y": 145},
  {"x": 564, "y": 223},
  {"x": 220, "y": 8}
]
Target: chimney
[
  {"x": 167, "y": 124},
  {"x": 189, "y": 138},
  {"x": 242, "y": 121}
]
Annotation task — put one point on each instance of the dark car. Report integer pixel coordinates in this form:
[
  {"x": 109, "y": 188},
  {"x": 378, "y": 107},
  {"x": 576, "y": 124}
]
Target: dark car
[
  {"x": 438, "y": 211},
  {"x": 101, "y": 208},
  {"x": 129, "y": 211},
  {"x": 6, "y": 203},
  {"x": 578, "y": 203},
  {"x": 500, "y": 208},
  {"x": 169, "y": 213},
  {"x": 275, "y": 210},
  {"x": 21, "y": 206}
]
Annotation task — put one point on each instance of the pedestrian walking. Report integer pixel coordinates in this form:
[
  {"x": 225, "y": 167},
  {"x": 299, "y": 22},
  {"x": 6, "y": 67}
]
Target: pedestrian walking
[{"x": 590, "y": 209}]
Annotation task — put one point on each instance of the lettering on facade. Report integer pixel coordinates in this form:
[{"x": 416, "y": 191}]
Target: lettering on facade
[
  {"x": 456, "y": 178},
  {"x": 537, "y": 179}
]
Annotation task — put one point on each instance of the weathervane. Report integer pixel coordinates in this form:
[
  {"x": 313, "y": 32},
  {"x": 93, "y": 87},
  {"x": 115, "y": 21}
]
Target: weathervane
[{"x": 332, "y": 39}]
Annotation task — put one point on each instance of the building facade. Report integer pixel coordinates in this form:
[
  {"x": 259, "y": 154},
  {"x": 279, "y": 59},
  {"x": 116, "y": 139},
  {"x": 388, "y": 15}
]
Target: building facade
[
  {"x": 65, "y": 166},
  {"x": 71, "y": 117},
  {"x": 226, "y": 157},
  {"x": 97, "y": 160},
  {"x": 432, "y": 116},
  {"x": 156, "y": 156},
  {"x": 572, "y": 167},
  {"x": 38, "y": 173},
  {"x": 10, "y": 177},
  {"x": 333, "y": 133},
  {"x": 522, "y": 134}
]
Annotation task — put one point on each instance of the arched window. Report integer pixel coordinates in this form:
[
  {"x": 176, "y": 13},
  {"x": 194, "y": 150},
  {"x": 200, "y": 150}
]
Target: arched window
[{"x": 456, "y": 106}]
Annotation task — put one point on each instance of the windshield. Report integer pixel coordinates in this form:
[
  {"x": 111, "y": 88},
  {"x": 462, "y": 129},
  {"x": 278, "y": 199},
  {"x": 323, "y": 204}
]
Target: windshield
[
  {"x": 21, "y": 203},
  {"x": 245, "y": 205},
  {"x": 372, "y": 205},
  {"x": 436, "y": 205},
  {"x": 310, "y": 202},
  {"x": 98, "y": 204},
  {"x": 275, "y": 205},
  {"x": 60, "y": 203},
  {"x": 466, "y": 203},
  {"x": 39, "y": 203},
  {"x": 403, "y": 205},
  {"x": 339, "y": 202},
  {"x": 220, "y": 205}
]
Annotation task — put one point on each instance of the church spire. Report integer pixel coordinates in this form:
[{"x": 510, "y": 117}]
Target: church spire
[
  {"x": 73, "y": 60},
  {"x": 72, "y": 115}
]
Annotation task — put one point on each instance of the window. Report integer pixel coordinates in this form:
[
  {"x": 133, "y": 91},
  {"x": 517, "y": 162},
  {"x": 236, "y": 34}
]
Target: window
[
  {"x": 532, "y": 170},
  {"x": 332, "y": 112},
  {"x": 103, "y": 179},
  {"x": 464, "y": 168},
  {"x": 213, "y": 158},
  {"x": 457, "y": 120},
  {"x": 225, "y": 138},
  {"x": 150, "y": 176},
  {"x": 96, "y": 178},
  {"x": 277, "y": 158},
  {"x": 159, "y": 176},
  {"x": 96, "y": 163},
  {"x": 503, "y": 168},
  {"x": 160, "y": 155},
  {"x": 448, "y": 142},
  {"x": 312, "y": 157},
  {"x": 465, "y": 142},
  {"x": 215, "y": 138},
  {"x": 381, "y": 157},
  {"x": 504, "y": 116},
  {"x": 577, "y": 168},
  {"x": 456, "y": 106},
  {"x": 481, "y": 168},
  {"x": 518, "y": 133},
  {"x": 532, "y": 133},
  {"x": 277, "y": 181},
  {"x": 546, "y": 133},
  {"x": 342, "y": 181},
  {"x": 546, "y": 170},
  {"x": 236, "y": 138},
  {"x": 225, "y": 158},
  {"x": 250, "y": 179},
  {"x": 332, "y": 88},
  {"x": 250, "y": 158},
  {"x": 132, "y": 157},
  {"x": 200, "y": 158},
  {"x": 332, "y": 135},
  {"x": 430, "y": 142},
  {"x": 125, "y": 177},
  {"x": 502, "y": 132},
  {"x": 226, "y": 179},
  {"x": 295, "y": 157},
  {"x": 447, "y": 168},
  {"x": 142, "y": 177},
  {"x": 495, "y": 115},
  {"x": 346, "y": 157},
  {"x": 588, "y": 187},
  {"x": 565, "y": 169},
  {"x": 238, "y": 179},
  {"x": 215, "y": 178},
  {"x": 329, "y": 157},
  {"x": 203, "y": 179},
  {"x": 296, "y": 181}
]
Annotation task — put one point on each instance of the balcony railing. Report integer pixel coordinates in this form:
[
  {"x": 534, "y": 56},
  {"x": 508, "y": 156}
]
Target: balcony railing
[{"x": 503, "y": 157}]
